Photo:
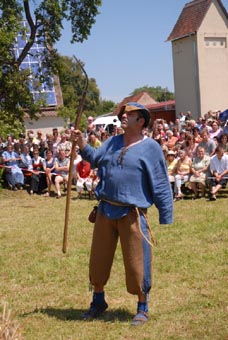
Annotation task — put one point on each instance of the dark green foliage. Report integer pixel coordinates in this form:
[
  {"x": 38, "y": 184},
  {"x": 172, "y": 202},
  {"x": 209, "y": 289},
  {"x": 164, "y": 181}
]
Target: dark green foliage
[
  {"x": 158, "y": 93},
  {"x": 72, "y": 83},
  {"x": 44, "y": 19}
]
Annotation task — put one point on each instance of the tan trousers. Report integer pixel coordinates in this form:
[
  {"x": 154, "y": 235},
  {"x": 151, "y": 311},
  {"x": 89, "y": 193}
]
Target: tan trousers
[{"x": 137, "y": 253}]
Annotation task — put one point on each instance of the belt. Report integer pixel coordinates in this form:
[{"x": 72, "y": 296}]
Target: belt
[{"x": 138, "y": 210}]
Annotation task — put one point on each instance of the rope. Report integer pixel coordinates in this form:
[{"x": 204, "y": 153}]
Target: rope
[
  {"x": 153, "y": 240},
  {"x": 138, "y": 211}
]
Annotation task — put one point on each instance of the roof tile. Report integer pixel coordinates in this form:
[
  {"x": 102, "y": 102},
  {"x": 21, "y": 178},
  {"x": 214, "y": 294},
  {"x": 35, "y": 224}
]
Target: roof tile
[{"x": 190, "y": 18}]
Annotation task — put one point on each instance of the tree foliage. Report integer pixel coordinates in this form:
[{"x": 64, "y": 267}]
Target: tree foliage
[
  {"x": 72, "y": 83},
  {"x": 158, "y": 93},
  {"x": 44, "y": 23}
]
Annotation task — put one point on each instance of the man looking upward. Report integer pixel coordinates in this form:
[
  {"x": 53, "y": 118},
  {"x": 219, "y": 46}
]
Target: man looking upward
[{"x": 133, "y": 176}]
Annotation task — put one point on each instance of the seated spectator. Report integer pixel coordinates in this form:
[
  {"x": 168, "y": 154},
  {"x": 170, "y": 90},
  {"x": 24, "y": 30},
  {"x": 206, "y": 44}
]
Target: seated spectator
[
  {"x": 22, "y": 140},
  {"x": 49, "y": 147},
  {"x": 77, "y": 159},
  {"x": 204, "y": 125},
  {"x": 164, "y": 150},
  {"x": 91, "y": 182},
  {"x": 104, "y": 136},
  {"x": 176, "y": 131},
  {"x": 90, "y": 120},
  {"x": 156, "y": 134},
  {"x": 188, "y": 116},
  {"x": 34, "y": 147},
  {"x": 90, "y": 127},
  {"x": 25, "y": 159},
  {"x": 223, "y": 140},
  {"x": 161, "y": 127},
  {"x": 181, "y": 139},
  {"x": 171, "y": 163},
  {"x": 83, "y": 177},
  {"x": 192, "y": 125},
  {"x": 62, "y": 164},
  {"x": 65, "y": 145},
  {"x": 55, "y": 141},
  {"x": 17, "y": 147},
  {"x": 25, "y": 163},
  {"x": 49, "y": 167},
  {"x": 190, "y": 146},
  {"x": 183, "y": 171},
  {"x": 93, "y": 140},
  {"x": 219, "y": 170},
  {"x": 10, "y": 140},
  {"x": 55, "y": 133},
  {"x": 171, "y": 140},
  {"x": 182, "y": 117},
  {"x": 207, "y": 143},
  {"x": 39, "y": 137},
  {"x": 196, "y": 134},
  {"x": 12, "y": 173},
  {"x": 216, "y": 130},
  {"x": 42, "y": 149},
  {"x": 177, "y": 148},
  {"x": 38, "y": 178},
  {"x": 199, "y": 169}
]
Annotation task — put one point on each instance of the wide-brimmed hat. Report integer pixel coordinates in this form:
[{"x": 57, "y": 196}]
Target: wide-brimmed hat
[
  {"x": 133, "y": 106},
  {"x": 171, "y": 152}
]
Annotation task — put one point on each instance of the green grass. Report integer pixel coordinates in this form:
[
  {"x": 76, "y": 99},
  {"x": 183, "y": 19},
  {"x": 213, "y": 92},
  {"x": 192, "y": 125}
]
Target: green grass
[{"x": 48, "y": 290}]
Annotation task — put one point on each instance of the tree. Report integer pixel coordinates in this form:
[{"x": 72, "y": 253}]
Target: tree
[
  {"x": 158, "y": 93},
  {"x": 72, "y": 83},
  {"x": 106, "y": 106},
  {"x": 44, "y": 22}
]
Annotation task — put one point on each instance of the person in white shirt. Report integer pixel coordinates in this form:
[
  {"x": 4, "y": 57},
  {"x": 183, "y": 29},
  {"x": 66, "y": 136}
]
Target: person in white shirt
[{"x": 219, "y": 170}]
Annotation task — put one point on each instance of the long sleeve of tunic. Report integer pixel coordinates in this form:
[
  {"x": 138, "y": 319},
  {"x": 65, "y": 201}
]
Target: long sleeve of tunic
[{"x": 137, "y": 177}]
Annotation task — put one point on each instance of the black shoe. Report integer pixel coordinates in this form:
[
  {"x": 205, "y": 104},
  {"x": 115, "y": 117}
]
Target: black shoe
[
  {"x": 213, "y": 198},
  {"x": 95, "y": 311}
]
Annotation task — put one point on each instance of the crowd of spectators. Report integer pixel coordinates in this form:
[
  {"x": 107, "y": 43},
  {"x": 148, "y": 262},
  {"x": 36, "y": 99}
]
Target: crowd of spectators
[{"x": 196, "y": 153}]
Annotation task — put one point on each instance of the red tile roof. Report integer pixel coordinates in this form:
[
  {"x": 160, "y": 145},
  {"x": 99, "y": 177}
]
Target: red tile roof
[
  {"x": 170, "y": 104},
  {"x": 46, "y": 112},
  {"x": 191, "y": 18}
]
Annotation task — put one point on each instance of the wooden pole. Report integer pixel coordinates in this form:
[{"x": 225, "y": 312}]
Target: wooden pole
[{"x": 69, "y": 183}]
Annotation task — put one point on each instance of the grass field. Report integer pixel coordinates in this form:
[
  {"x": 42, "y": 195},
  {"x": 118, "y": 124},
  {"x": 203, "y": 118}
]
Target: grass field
[{"x": 47, "y": 291}]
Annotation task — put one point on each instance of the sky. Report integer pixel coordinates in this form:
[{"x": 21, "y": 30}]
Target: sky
[{"x": 127, "y": 47}]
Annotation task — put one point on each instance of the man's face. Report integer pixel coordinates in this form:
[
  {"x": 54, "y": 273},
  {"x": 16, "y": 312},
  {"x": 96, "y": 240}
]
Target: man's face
[
  {"x": 129, "y": 119},
  {"x": 62, "y": 154},
  {"x": 10, "y": 148},
  {"x": 92, "y": 138},
  {"x": 220, "y": 153}
]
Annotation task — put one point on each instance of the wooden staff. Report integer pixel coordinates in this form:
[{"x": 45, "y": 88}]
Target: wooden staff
[{"x": 69, "y": 183}]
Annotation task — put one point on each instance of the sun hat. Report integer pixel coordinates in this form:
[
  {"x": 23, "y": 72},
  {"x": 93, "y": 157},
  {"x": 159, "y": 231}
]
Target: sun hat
[
  {"x": 133, "y": 106},
  {"x": 171, "y": 152}
]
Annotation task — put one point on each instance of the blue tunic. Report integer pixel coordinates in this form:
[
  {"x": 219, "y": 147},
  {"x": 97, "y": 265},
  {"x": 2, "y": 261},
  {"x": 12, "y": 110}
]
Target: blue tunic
[{"x": 136, "y": 176}]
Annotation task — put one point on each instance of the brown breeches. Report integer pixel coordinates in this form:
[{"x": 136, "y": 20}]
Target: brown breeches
[{"x": 137, "y": 253}]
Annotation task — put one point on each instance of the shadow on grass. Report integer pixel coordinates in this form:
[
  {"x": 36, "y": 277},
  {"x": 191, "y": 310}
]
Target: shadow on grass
[{"x": 77, "y": 314}]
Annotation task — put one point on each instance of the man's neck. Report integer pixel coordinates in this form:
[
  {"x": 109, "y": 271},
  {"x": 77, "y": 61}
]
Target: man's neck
[{"x": 130, "y": 138}]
